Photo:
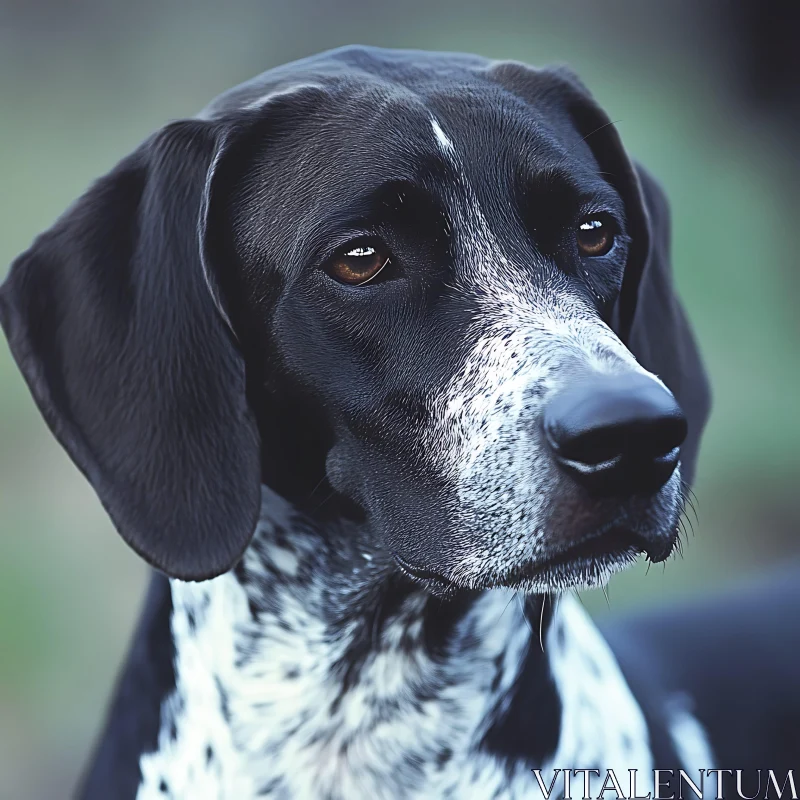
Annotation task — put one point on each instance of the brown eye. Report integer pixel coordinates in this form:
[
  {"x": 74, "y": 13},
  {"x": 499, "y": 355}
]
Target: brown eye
[
  {"x": 594, "y": 237},
  {"x": 359, "y": 264}
]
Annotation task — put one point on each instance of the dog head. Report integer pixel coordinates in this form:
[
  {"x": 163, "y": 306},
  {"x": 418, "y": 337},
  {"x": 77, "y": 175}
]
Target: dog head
[{"x": 435, "y": 284}]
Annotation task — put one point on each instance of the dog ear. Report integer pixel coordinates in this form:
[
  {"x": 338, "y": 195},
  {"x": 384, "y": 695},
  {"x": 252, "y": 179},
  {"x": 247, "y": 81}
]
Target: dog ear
[
  {"x": 112, "y": 318},
  {"x": 648, "y": 315},
  {"x": 652, "y": 319}
]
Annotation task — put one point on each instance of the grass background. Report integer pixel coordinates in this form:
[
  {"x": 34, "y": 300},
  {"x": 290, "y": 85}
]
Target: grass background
[{"x": 81, "y": 83}]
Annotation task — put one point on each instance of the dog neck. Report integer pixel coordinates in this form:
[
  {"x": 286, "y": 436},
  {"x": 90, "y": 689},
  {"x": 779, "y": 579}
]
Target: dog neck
[{"x": 314, "y": 669}]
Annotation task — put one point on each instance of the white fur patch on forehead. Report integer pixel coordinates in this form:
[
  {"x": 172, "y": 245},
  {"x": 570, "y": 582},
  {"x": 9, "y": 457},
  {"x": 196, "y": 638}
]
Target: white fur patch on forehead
[{"x": 442, "y": 138}]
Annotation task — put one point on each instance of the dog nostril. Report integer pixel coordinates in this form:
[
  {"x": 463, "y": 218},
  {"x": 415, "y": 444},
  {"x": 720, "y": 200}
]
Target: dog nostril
[
  {"x": 616, "y": 433},
  {"x": 636, "y": 438}
]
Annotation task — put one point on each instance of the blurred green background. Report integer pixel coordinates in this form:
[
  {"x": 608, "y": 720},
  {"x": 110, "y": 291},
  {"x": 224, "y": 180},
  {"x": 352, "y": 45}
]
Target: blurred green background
[{"x": 82, "y": 82}]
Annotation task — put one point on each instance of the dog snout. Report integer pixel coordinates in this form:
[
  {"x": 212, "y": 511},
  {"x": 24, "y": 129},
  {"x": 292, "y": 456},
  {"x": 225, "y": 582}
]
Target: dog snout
[{"x": 616, "y": 435}]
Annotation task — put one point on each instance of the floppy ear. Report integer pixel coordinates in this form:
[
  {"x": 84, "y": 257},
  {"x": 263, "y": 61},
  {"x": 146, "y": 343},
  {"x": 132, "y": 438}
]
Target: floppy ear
[
  {"x": 648, "y": 316},
  {"x": 111, "y": 319},
  {"x": 653, "y": 321}
]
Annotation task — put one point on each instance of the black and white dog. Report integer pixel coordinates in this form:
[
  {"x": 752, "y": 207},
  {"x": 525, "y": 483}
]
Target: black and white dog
[{"x": 374, "y": 358}]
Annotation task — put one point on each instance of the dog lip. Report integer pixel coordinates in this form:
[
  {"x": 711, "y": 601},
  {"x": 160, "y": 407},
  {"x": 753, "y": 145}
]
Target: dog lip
[
  {"x": 419, "y": 572},
  {"x": 605, "y": 541},
  {"x": 606, "y": 547},
  {"x": 611, "y": 546}
]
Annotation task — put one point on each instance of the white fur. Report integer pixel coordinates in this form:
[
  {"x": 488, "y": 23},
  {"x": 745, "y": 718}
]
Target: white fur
[
  {"x": 689, "y": 738},
  {"x": 441, "y": 137}
]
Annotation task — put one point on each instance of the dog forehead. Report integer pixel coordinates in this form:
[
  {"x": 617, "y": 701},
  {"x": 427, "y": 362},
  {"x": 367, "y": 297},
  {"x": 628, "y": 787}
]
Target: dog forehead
[
  {"x": 404, "y": 86},
  {"x": 365, "y": 134}
]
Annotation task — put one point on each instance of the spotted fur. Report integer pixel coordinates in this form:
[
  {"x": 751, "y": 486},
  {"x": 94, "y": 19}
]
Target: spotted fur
[{"x": 290, "y": 685}]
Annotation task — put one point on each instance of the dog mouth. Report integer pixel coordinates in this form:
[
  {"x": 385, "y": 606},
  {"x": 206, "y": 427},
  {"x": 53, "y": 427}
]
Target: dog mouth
[{"x": 584, "y": 564}]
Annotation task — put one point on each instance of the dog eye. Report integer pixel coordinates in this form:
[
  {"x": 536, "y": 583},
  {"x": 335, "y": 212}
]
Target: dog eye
[
  {"x": 359, "y": 264},
  {"x": 594, "y": 237}
]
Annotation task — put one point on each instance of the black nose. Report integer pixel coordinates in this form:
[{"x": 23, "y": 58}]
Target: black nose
[{"x": 616, "y": 434}]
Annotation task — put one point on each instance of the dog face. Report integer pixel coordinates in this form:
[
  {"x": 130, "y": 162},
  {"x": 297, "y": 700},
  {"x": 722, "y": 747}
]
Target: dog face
[{"x": 421, "y": 279}]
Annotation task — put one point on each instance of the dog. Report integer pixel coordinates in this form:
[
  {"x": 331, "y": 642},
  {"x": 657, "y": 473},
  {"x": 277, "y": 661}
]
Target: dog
[{"x": 373, "y": 360}]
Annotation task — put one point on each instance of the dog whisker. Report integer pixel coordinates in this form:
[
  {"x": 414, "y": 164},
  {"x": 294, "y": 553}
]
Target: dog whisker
[
  {"x": 326, "y": 499},
  {"x": 522, "y": 609},
  {"x": 317, "y": 486},
  {"x": 541, "y": 622},
  {"x": 505, "y": 608}
]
